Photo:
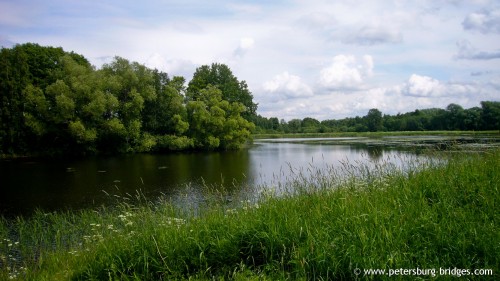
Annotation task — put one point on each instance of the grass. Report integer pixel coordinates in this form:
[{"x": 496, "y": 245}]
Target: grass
[
  {"x": 376, "y": 134},
  {"x": 440, "y": 216}
]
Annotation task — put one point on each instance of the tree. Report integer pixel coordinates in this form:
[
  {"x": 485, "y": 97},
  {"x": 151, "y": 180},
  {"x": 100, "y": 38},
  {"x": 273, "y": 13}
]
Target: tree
[
  {"x": 310, "y": 125},
  {"x": 275, "y": 123},
  {"x": 490, "y": 115},
  {"x": 472, "y": 118},
  {"x": 221, "y": 77},
  {"x": 455, "y": 117},
  {"x": 57, "y": 114},
  {"x": 14, "y": 77},
  {"x": 438, "y": 119},
  {"x": 132, "y": 84},
  {"x": 165, "y": 117},
  {"x": 215, "y": 123},
  {"x": 166, "y": 114},
  {"x": 374, "y": 120},
  {"x": 294, "y": 125},
  {"x": 37, "y": 102},
  {"x": 55, "y": 102}
]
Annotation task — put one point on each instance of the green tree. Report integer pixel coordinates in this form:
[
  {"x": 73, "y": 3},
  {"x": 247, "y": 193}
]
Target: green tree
[
  {"x": 215, "y": 123},
  {"x": 490, "y": 115},
  {"x": 221, "y": 77},
  {"x": 455, "y": 117},
  {"x": 165, "y": 117},
  {"x": 275, "y": 123},
  {"x": 132, "y": 84},
  {"x": 36, "y": 99},
  {"x": 14, "y": 77},
  {"x": 294, "y": 125},
  {"x": 166, "y": 114},
  {"x": 374, "y": 120},
  {"x": 310, "y": 125},
  {"x": 54, "y": 114},
  {"x": 52, "y": 101},
  {"x": 82, "y": 104},
  {"x": 472, "y": 118}
]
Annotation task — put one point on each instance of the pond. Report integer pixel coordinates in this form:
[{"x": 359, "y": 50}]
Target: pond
[{"x": 51, "y": 185}]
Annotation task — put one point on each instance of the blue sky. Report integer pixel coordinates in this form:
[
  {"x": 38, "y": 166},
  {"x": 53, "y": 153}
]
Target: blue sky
[{"x": 313, "y": 58}]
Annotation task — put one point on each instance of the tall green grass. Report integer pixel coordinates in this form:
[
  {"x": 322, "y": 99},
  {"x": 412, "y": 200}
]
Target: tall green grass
[{"x": 437, "y": 216}]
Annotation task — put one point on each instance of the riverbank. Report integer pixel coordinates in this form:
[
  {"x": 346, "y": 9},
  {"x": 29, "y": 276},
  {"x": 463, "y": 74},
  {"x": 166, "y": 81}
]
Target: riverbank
[
  {"x": 377, "y": 134},
  {"x": 440, "y": 216}
]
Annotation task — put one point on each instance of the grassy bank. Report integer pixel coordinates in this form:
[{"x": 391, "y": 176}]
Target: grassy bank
[
  {"x": 377, "y": 134},
  {"x": 444, "y": 216}
]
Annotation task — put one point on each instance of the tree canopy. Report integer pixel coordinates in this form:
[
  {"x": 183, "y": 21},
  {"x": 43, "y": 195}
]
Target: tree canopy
[
  {"x": 55, "y": 102},
  {"x": 221, "y": 77}
]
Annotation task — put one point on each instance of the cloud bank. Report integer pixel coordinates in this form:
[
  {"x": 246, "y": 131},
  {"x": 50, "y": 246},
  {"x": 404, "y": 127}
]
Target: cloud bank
[{"x": 318, "y": 58}]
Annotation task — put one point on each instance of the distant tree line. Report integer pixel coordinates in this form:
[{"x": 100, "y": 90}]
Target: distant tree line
[
  {"x": 55, "y": 102},
  {"x": 454, "y": 117}
]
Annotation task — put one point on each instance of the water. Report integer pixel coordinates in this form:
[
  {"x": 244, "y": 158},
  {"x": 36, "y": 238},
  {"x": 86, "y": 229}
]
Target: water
[{"x": 51, "y": 185}]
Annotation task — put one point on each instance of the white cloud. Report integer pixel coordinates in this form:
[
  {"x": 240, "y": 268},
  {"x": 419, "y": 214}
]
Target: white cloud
[
  {"x": 418, "y": 92},
  {"x": 374, "y": 35},
  {"x": 173, "y": 67},
  {"x": 486, "y": 21},
  {"x": 467, "y": 51},
  {"x": 423, "y": 86},
  {"x": 156, "y": 61},
  {"x": 286, "y": 85},
  {"x": 346, "y": 72}
]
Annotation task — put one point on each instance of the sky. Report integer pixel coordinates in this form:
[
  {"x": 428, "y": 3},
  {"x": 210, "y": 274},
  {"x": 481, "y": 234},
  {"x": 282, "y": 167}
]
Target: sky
[{"x": 313, "y": 58}]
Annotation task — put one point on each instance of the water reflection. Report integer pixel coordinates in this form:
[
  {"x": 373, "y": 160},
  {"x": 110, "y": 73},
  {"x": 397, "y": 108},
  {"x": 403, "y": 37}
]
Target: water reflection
[
  {"x": 277, "y": 162},
  {"x": 56, "y": 185}
]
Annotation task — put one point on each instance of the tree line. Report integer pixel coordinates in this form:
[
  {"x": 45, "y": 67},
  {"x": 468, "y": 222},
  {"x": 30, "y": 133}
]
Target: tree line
[
  {"x": 454, "y": 117},
  {"x": 54, "y": 102}
]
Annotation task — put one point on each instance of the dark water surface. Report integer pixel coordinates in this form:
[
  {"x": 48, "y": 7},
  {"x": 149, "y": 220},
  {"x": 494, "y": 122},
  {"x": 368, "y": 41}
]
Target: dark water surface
[{"x": 49, "y": 185}]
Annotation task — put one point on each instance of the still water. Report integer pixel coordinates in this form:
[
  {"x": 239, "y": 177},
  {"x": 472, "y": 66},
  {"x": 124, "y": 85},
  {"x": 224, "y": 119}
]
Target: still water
[{"x": 51, "y": 185}]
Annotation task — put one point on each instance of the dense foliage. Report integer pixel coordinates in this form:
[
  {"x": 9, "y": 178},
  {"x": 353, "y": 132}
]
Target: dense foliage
[
  {"x": 220, "y": 76},
  {"x": 454, "y": 117},
  {"x": 55, "y": 102}
]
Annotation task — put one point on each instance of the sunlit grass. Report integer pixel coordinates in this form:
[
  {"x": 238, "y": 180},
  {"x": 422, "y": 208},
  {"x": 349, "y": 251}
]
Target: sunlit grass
[{"x": 322, "y": 226}]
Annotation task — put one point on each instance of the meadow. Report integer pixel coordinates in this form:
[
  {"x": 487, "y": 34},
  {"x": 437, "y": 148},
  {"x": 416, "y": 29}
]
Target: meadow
[{"x": 441, "y": 214}]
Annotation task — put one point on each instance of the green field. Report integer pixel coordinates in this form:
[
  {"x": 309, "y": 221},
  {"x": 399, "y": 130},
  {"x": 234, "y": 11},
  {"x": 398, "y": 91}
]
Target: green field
[{"x": 440, "y": 214}]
